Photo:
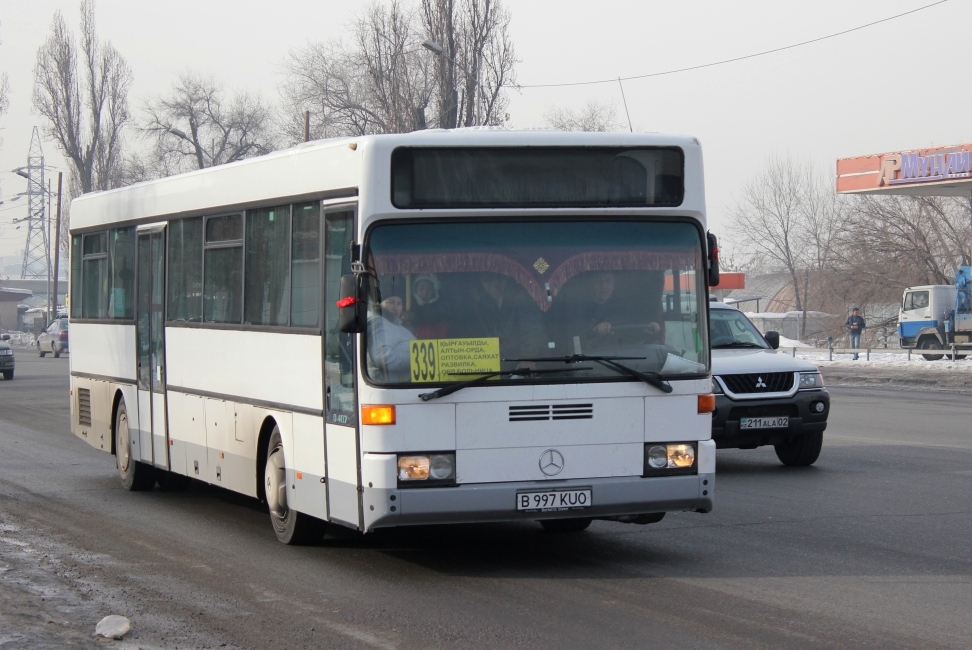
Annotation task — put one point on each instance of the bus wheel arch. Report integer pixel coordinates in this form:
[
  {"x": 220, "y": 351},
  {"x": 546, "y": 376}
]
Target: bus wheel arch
[
  {"x": 135, "y": 476},
  {"x": 263, "y": 440},
  {"x": 289, "y": 525},
  {"x": 115, "y": 402}
]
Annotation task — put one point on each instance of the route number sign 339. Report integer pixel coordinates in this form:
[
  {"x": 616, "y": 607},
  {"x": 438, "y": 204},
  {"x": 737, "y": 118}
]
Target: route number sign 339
[{"x": 434, "y": 360}]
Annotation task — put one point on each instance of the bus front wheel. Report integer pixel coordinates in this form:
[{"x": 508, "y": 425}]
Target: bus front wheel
[
  {"x": 290, "y": 526},
  {"x": 135, "y": 476}
]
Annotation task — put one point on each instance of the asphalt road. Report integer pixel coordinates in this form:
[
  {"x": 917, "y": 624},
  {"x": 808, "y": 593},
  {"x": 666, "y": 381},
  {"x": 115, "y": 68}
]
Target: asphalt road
[{"x": 871, "y": 547}]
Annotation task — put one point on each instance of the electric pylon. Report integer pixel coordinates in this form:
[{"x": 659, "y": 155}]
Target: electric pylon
[{"x": 37, "y": 253}]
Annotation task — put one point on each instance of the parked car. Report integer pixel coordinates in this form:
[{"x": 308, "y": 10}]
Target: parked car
[
  {"x": 6, "y": 357},
  {"x": 54, "y": 339},
  {"x": 763, "y": 397}
]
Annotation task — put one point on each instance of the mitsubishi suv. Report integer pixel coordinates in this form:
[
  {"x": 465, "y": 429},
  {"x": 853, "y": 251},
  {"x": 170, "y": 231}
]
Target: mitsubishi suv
[{"x": 763, "y": 397}]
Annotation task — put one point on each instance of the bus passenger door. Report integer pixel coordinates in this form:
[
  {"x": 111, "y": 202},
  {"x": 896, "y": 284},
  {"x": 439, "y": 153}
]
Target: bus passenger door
[
  {"x": 150, "y": 341},
  {"x": 341, "y": 448}
]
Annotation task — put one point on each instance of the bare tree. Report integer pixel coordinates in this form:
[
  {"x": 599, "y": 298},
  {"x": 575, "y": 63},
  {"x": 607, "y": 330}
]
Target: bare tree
[
  {"x": 379, "y": 82},
  {"x": 477, "y": 61},
  {"x": 83, "y": 95},
  {"x": 593, "y": 116},
  {"x": 788, "y": 220},
  {"x": 383, "y": 81},
  {"x": 908, "y": 241},
  {"x": 194, "y": 126}
]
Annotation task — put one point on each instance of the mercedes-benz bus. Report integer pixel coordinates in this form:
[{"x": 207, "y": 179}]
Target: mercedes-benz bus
[{"x": 443, "y": 326}]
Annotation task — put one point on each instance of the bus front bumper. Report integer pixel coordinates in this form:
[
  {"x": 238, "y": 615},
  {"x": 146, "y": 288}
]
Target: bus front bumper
[{"x": 490, "y": 502}]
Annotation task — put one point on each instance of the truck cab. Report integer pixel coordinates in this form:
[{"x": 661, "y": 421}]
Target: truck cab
[{"x": 933, "y": 317}]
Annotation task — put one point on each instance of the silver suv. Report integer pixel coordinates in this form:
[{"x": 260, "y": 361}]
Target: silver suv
[{"x": 763, "y": 397}]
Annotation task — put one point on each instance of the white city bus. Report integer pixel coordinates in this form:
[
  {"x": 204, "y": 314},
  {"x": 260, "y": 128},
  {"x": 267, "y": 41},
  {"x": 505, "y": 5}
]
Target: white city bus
[{"x": 442, "y": 326}]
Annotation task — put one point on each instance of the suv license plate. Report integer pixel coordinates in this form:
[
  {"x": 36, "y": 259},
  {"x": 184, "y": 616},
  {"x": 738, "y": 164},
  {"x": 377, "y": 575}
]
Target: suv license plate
[
  {"x": 553, "y": 501},
  {"x": 764, "y": 423}
]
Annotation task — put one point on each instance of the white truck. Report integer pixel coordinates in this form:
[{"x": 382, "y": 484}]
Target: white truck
[{"x": 935, "y": 317}]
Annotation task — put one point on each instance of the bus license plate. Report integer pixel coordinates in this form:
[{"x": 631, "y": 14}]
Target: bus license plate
[
  {"x": 553, "y": 501},
  {"x": 780, "y": 422}
]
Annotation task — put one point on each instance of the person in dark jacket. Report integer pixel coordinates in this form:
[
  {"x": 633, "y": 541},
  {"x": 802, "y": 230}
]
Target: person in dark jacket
[{"x": 855, "y": 325}]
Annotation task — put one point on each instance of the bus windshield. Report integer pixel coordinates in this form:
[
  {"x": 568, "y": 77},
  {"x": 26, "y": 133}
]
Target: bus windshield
[{"x": 454, "y": 300}]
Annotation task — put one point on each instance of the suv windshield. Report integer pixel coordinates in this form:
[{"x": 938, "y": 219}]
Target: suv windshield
[
  {"x": 456, "y": 300},
  {"x": 731, "y": 329}
]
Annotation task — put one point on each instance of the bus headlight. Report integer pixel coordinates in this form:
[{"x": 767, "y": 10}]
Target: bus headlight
[
  {"x": 670, "y": 458},
  {"x": 427, "y": 468},
  {"x": 811, "y": 380}
]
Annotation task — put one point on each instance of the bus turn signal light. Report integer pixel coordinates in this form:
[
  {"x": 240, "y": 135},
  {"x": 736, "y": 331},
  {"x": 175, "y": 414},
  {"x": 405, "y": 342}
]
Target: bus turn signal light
[
  {"x": 707, "y": 403},
  {"x": 377, "y": 414}
]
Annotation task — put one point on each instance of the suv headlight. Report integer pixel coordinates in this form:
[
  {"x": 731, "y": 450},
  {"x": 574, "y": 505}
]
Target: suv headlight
[
  {"x": 811, "y": 380},
  {"x": 716, "y": 387},
  {"x": 6, "y": 353}
]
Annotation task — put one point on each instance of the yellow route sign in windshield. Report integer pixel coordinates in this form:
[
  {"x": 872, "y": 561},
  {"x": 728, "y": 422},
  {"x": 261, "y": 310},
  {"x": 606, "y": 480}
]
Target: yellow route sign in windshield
[{"x": 452, "y": 359}]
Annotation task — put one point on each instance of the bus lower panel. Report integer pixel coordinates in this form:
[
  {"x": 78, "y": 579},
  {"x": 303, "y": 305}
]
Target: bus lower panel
[{"x": 489, "y": 502}]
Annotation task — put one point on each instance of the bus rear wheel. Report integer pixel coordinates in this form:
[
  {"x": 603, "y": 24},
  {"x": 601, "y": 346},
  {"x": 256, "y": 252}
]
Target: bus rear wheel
[
  {"x": 135, "y": 476},
  {"x": 290, "y": 526},
  {"x": 566, "y": 525}
]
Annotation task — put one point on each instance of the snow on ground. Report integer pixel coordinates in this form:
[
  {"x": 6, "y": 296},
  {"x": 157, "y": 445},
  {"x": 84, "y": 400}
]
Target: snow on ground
[{"x": 890, "y": 369}]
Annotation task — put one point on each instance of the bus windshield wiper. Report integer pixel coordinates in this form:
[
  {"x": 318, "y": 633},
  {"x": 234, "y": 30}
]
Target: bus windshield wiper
[
  {"x": 481, "y": 378},
  {"x": 737, "y": 344},
  {"x": 650, "y": 378}
]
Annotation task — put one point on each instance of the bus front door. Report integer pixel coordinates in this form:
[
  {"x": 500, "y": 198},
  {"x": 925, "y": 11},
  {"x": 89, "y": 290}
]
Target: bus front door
[{"x": 150, "y": 341}]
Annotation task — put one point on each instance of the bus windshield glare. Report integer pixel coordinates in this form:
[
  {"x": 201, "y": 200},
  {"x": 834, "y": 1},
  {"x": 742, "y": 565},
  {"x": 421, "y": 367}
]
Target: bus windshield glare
[{"x": 457, "y": 300}]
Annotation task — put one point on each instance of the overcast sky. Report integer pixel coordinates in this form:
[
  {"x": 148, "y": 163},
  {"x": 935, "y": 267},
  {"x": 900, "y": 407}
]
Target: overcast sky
[{"x": 895, "y": 85}]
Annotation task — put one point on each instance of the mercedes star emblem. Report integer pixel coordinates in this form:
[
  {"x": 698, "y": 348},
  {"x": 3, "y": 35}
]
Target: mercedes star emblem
[{"x": 551, "y": 462}]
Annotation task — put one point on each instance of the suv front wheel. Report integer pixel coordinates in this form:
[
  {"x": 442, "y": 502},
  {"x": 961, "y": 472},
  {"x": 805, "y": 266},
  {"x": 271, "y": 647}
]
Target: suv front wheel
[{"x": 802, "y": 451}]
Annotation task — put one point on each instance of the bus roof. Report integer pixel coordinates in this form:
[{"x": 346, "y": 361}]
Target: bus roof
[{"x": 335, "y": 167}]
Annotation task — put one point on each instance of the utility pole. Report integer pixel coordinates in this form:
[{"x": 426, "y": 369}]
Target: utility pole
[{"x": 57, "y": 241}]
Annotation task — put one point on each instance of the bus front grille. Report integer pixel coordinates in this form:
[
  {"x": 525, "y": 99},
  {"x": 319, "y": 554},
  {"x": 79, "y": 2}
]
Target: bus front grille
[{"x": 536, "y": 412}]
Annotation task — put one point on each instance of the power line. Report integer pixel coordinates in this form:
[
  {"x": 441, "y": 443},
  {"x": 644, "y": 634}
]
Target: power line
[{"x": 735, "y": 59}]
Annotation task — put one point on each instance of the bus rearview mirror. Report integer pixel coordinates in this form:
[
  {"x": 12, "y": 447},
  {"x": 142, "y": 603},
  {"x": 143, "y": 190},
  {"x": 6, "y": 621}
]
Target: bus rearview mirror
[{"x": 713, "y": 244}]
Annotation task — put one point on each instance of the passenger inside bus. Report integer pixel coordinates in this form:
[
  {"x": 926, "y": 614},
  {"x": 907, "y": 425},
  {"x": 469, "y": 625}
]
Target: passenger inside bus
[
  {"x": 495, "y": 306},
  {"x": 388, "y": 340},
  {"x": 427, "y": 315}
]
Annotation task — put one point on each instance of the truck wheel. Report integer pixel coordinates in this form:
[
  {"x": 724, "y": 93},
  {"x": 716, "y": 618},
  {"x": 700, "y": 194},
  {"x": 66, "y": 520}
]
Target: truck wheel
[
  {"x": 931, "y": 344},
  {"x": 802, "y": 451}
]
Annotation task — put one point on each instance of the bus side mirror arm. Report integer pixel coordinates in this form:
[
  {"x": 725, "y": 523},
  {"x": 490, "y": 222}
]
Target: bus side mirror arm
[
  {"x": 353, "y": 304},
  {"x": 713, "y": 245}
]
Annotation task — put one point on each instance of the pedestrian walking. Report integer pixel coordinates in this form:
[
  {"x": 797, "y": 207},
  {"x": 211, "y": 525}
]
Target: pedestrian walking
[{"x": 855, "y": 325}]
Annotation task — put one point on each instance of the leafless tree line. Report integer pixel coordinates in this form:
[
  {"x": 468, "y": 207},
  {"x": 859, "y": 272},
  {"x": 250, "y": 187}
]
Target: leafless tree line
[
  {"x": 406, "y": 66},
  {"x": 840, "y": 251}
]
